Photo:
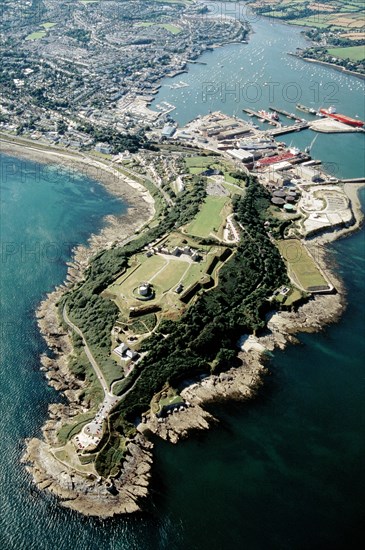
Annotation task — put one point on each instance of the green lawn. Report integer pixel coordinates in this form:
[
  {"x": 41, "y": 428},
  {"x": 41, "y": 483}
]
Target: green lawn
[
  {"x": 167, "y": 26},
  {"x": 164, "y": 275},
  {"x": 147, "y": 268},
  {"x": 48, "y": 25},
  {"x": 69, "y": 430},
  {"x": 355, "y": 53},
  {"x": 301, "y": 267},
  {"x": 111, "y": 370},
  {"x": 293, "y": 296},
  {"x": 171, "y": 28},
  {"x": 233, "y": 190},
  {"x": 195, "y": 273},
  {"x": 174, "y": 400},
  {"x": 209, "y": 218},
  {"x": 171, "y": 275},
  {"x": 36, "y": 35},
  {"x": 197, "y": 165}
]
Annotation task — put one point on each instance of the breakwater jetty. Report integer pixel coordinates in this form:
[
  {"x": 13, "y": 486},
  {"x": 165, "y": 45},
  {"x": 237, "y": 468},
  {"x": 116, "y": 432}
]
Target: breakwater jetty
[{"x": 292, "y": 116}]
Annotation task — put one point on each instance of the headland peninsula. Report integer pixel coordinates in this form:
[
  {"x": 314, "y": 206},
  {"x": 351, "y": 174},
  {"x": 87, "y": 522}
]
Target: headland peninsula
[
  {"x": 219, "y": 259},
  {"x": 177, "y": 305}
]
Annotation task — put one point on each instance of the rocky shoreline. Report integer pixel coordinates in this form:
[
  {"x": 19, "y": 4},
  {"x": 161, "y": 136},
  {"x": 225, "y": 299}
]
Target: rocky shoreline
[
  {"x": 236, "y": 384},
  {"x": 127, "y": 493},
  {"x": 88, "y": 495}
]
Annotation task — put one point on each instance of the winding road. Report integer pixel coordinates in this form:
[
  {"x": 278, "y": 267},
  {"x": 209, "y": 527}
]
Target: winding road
[
  {"x": 91, "y": 433},
  {"x": 89, "y": 355}
]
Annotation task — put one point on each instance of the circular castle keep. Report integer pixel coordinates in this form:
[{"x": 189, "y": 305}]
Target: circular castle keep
[{"x": 144, "y": 292}]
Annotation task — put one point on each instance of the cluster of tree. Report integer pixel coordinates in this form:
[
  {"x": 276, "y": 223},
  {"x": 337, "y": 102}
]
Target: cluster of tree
[
  {"x": 317, "y": 35},
  {"x": 321, "y": 54},
  {"x": 41, "y": 99},
  {"x": 288, "y": 12},
  {"x": 120, "y": 142},
  {"x": 81, "y": 35}
]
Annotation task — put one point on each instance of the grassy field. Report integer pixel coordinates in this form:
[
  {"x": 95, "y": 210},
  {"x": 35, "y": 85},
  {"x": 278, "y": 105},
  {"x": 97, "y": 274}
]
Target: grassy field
[
  {"x": 69, "y": 430},
  {"x": 112, "y": 371},
  {"x": 36, "y": 35},
  {"x": 210, "y": 217},
  {"x": 198, "y": 164},
  {"x": 231, "y": 187},
  {"x": 170, "y": 275},
  {"x": 68, "y": 455},
  {"x": 293, "y": 297},
  {"x": 301, "y": 267},
  {"x": 171, "y": 28},
  {"x": 355, "y": 53},
  {"x": 165, "y": 273},
  {"x": 48, "y": 25}
]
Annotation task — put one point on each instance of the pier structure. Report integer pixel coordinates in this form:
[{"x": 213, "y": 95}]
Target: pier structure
[
  {"x": 292, "y": 116},
  {"x": 288, "y": 129},
  {"x": 251, "y": 112}
]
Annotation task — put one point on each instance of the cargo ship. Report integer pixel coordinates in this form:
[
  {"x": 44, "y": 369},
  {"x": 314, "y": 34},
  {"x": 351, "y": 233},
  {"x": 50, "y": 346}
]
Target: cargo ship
[
  {"x": 331, "y": 112},
  {"x": 285, "y": 156}
]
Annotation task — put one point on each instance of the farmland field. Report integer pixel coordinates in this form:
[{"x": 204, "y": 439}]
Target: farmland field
[
  {"x": 355, "y": 53},
  {"x": 336, "y": 13}
]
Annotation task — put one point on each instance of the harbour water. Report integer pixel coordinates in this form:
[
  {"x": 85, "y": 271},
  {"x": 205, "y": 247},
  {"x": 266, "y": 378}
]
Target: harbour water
[
  {"x": 282, "y": 472},
  {"x": 260, "y": 75}
]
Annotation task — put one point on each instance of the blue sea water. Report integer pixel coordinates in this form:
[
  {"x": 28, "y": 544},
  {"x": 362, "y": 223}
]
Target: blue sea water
[{"x": 282, "y": 472}]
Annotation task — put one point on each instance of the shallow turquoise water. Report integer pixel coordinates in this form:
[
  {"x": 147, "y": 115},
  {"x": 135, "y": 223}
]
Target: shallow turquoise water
[{"x": 282, "y": 472}]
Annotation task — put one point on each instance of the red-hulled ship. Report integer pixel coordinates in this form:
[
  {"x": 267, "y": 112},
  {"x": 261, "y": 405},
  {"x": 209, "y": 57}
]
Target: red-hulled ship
[
  {"x": 286, "y": 155},
  {"x": 331, "y": 112}
]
